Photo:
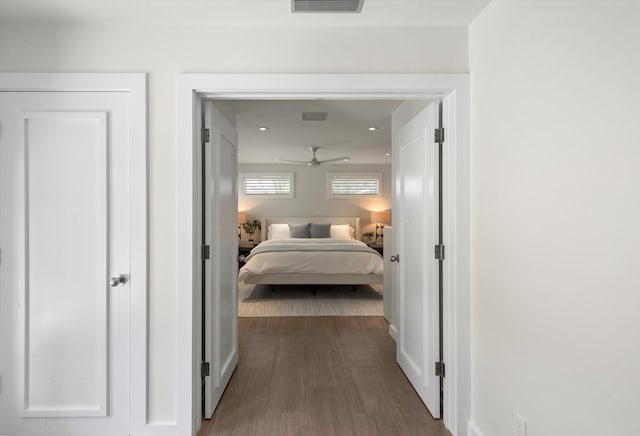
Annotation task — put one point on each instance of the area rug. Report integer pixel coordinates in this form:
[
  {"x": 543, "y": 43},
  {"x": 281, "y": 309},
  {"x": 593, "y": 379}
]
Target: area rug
[{"x": 299, "y": 300}]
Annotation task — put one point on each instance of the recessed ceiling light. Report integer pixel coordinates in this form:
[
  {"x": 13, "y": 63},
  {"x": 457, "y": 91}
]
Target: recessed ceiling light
[
  {"x": 346, "y": 159},
  {"x": 387, "y": 154},
  {"x": 373, "y": 128},
  {"x": 263, "y": 129}
]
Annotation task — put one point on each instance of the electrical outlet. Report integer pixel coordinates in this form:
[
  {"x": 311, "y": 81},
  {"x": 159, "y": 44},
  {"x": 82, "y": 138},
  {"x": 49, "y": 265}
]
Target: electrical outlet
[{"x": 519, "y": 425}]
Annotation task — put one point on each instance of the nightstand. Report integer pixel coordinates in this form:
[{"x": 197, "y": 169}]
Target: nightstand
[
  {"x": 377, "y": 246},
  {"x": 244, "y": 248}
]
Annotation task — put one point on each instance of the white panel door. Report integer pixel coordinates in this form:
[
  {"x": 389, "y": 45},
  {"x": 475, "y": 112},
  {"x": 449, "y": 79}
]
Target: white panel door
[
  {"x": 415, "y": 231},
  {"x": 64, "y": 233},
  {"x": 388, "y": 280},
  {"x": 221, "y": 271}
]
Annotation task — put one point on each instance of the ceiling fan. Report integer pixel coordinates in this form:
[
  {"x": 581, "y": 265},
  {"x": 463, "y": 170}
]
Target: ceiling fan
[{"x": 314, "y": 162}]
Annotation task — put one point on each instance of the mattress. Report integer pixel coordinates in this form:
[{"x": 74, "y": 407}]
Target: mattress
[{"x": 311, "y": 256}]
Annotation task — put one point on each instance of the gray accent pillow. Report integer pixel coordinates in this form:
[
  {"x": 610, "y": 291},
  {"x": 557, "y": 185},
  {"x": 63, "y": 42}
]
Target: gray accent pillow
[
  {"x": 320, "y": 230},
  {"x": 299, "y": 230}
]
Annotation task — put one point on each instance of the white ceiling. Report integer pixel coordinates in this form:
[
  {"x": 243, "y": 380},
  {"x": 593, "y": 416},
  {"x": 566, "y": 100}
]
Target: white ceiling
[
  {"x": 344, "y": 133},
  {"x": 243, "y": 12}
]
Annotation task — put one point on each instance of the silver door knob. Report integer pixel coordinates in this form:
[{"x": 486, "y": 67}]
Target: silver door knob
[
  {"x": 395, "y": 258},
  {"x": 118, "y": 280}
]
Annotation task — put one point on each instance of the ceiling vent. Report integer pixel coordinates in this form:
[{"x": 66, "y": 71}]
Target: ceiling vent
[
  {"x": 314, "y": 116},
  {"x": 326, "y": 5}
]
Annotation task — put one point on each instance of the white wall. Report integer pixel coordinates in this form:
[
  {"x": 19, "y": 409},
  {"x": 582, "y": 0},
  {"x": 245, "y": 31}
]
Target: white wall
[
  {"x": 164, "y": 52},
  {"x": 311, "y": 194},
  {"x": 556, "y": 257}
]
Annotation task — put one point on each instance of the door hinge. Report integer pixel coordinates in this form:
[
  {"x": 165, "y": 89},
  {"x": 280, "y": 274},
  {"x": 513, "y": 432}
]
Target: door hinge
[
  {"x": 204, "y": 369},
  {"x": 205, "y": 252},
  {"x": 439, "y": 369},
  {"x": 439, "y": 135},
  {"x": 206, "y": 135},
  {"x": 439, "y": 252}
]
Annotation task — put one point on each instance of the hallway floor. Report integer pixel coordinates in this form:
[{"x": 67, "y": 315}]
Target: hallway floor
[{"x": 319, "y": 376}]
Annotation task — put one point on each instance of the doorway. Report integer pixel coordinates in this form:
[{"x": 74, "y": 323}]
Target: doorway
[{"x": 454, "y": 92}]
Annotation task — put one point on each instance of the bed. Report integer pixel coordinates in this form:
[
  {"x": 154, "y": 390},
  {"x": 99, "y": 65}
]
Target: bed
[{"x": 312, "y": 261}]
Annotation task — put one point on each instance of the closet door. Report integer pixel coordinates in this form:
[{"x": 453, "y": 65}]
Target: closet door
[{"x": 64, "y": 267}]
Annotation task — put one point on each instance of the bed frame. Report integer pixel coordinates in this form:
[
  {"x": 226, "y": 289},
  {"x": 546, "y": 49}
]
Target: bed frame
[{"x": 313, "y": 279}]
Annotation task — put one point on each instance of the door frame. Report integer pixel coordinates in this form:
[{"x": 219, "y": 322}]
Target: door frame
[
  {"x": 453, "y": 89},
  {"x": 135, "y": 84}
]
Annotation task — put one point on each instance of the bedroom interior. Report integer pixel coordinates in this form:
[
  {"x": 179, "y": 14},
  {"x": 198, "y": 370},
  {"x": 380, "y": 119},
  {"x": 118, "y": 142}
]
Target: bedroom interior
[{"x": 350, "y": 139}]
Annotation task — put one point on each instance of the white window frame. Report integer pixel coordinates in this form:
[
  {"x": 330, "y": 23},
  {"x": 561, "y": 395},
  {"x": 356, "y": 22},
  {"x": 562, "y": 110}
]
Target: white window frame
[
  {"x": 331, "y": 175},
  {"x": 290, "y": 175}
]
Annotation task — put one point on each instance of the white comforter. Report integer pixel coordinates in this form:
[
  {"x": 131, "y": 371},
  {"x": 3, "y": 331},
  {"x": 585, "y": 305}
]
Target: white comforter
[{"x": 312, "y": 262}]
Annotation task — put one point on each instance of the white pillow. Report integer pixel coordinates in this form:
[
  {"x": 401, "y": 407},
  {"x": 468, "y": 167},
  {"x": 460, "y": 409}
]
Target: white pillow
[
  {"x": 341, "y": 231},
  {"x": 278, "y": 231}
]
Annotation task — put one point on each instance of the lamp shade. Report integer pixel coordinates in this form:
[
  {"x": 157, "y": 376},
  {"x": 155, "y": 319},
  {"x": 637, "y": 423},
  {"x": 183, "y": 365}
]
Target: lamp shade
[
  {"x": 242, "y": 217},
  {"x": 383, "y": 217}
]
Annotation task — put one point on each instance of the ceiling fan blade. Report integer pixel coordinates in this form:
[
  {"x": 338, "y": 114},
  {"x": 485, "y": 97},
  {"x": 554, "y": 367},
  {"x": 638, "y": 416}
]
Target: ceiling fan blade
[
  {"x": 335, "y": 159},
  {"x": 294, "y": 161}
]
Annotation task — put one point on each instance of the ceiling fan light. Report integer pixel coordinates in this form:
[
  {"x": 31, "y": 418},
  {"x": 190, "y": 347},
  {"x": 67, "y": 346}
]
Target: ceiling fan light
[{"x": 315, "y": 162}]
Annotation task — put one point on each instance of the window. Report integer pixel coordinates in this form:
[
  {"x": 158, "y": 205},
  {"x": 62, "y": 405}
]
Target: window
[
  {"x": 276, "y": 185},
  {"x": 346, "y": 185}
]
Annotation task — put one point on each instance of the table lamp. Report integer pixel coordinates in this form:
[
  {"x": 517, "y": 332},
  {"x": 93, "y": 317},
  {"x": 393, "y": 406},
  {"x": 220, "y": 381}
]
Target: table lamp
[
  {"x": 380, "y": 219},
  {"x": 242, "y": 218}
]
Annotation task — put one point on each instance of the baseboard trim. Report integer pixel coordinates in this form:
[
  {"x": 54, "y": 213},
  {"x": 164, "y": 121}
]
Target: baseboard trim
[
  {"x": 393, "y": 332},
  {"x": 473, "y": 430}
]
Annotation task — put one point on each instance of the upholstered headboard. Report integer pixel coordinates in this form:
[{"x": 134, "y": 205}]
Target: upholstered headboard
[{"x": 352, "y": 221}]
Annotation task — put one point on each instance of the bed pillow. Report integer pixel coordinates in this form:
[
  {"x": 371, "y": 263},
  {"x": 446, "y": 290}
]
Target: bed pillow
[
  {"x": 278, "y": 231},
  {"x": 299, "y": 230},
  {"x": 320, "y": 230},
  {"x": 341, "y": 231}
]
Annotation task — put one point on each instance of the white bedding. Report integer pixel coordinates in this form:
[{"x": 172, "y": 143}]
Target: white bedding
[{"x": 312, "y": 262}]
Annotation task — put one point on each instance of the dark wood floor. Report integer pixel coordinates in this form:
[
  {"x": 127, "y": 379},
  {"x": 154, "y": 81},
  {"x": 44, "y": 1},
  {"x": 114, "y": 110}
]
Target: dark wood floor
[{"x": 319, "y": 376}]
